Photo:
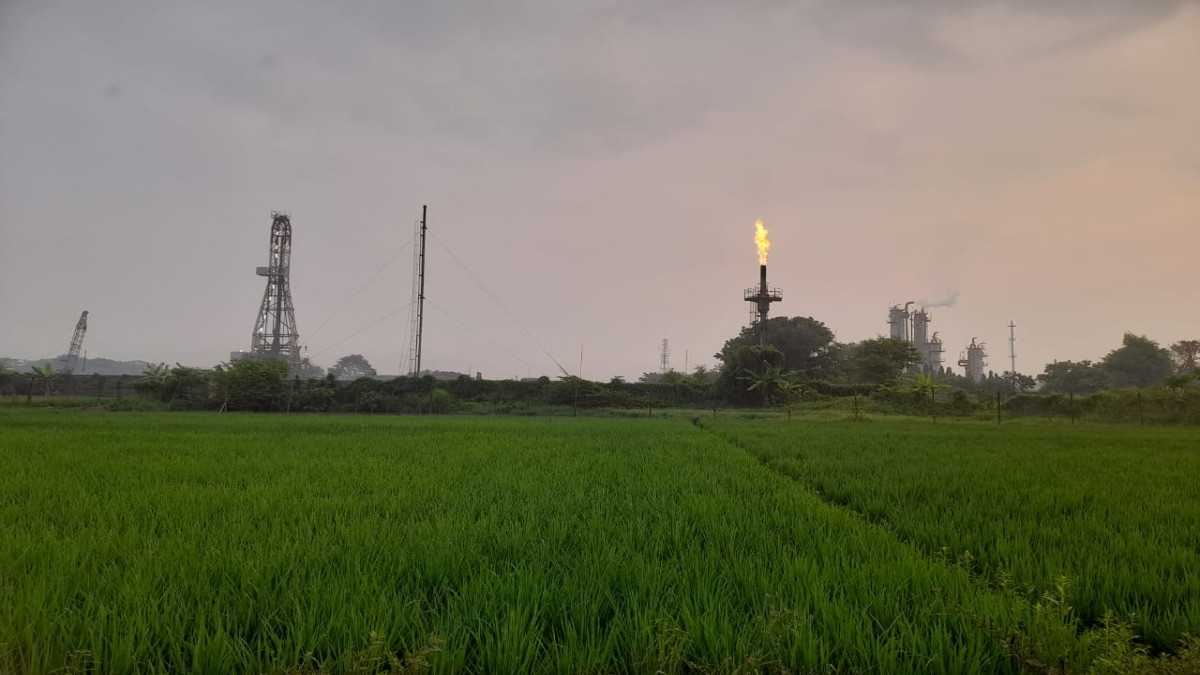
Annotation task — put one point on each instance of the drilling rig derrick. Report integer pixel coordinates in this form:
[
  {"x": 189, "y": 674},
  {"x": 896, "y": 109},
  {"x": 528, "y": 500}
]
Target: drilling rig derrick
[{"x": 275, "y": 334}]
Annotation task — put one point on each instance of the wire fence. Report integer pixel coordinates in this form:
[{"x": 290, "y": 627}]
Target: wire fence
[{"x": 68, "y": 386}]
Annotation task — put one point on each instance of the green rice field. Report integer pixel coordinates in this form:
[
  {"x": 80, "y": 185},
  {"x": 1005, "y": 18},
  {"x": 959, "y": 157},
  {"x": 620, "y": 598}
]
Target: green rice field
[
  {"x": 1115, "y": 510},
  {"x": 210, "y": 543}
]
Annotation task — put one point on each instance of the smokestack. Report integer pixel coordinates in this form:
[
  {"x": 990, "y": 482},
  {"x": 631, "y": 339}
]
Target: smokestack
[{"x": 762, "y": 295}]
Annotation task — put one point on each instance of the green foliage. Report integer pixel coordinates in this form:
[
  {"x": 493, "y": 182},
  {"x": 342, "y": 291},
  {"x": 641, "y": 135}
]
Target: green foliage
[
  {"x": 1182, "y": 381},
  {"x": 769, "y": 379},
  {"x": 1139, "y": 362},
  {"x": 352, "y": 367},
  {"x": 1018, "y": 383},
  {"x": 153, "y": 381},
  {"x": 1114, "y": 509},
  {"x": 806, "y": 345},
  {"x": 880, "y": 360},
  {"x": 252, "y": 385},
  {"x": 1176, "y": 405},
  {"x": 249, "y": 543},
  {"x": 1185, "y": 357},
  {"x": 46, "y": 375},
  {"x": 740, "y": 370},
  {"x": 1072, "y": 377}
]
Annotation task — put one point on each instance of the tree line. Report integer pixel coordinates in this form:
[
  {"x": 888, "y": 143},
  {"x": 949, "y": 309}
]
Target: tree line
[{"x": 802, "y": 360}]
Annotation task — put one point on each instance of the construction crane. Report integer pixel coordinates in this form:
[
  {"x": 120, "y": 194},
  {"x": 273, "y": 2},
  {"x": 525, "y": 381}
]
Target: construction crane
[{"x": 68, "y": 360}]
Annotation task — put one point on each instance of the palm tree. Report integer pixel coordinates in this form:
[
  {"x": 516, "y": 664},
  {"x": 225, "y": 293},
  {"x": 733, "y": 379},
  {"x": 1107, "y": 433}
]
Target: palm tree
[
  {"x": 924, "y": 386},
  {"x": 768, "y": 378},
  {"x": 790, "y": 388},
  {"x": 46, "y": 374},
  {"x": 154, "y": 379}
]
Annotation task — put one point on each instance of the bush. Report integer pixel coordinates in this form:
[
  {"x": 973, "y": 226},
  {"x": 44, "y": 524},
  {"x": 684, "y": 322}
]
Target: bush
[{"x": 253, "y": 385}]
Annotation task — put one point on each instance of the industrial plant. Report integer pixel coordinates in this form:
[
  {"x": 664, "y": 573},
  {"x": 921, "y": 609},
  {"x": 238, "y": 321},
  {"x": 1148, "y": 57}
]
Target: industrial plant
[
  {"x": 973, "y": 359},
  {"x": 912, "y": 326}
]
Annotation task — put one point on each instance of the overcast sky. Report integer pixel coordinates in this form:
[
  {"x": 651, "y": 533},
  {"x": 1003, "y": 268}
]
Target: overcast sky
[{"x": 598, "y": 166}]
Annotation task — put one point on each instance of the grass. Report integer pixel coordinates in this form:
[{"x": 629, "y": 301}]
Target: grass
[
  {"x": 302, "y": 544},
  {"x": 1115, "y": 510}
]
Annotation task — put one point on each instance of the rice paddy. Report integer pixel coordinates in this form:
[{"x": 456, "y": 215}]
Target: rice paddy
[
  {"x": 246, "y": 543},
  {"x": 1116, "y": 511}
]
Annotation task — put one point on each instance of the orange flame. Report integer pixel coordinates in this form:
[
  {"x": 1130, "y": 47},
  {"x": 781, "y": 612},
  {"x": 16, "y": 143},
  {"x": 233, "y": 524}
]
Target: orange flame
[{"x": 761, "y": 241}]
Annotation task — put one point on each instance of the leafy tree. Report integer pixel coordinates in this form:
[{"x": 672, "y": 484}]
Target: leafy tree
[
  {"x": 1139, "y": 362},
  {"x": 1185, "y": 356},
  {"x": 1182, "y": 381},
  {"x": 1019, "y": 383},
  {"x": 880, "y": 360},
  {"x": 352, "y": 367},
  {"x": 1072, "y": 377},
  {"x": 319, "y": 394},
  {"x": 185, "y": 382},
  {"x": 804, "y": 342},
  {"x": 702, "y": 376},
  {"x": 252, "y": 384},
  {"x": 738, "y": 370},
  {"x": 153, "y": 380}
]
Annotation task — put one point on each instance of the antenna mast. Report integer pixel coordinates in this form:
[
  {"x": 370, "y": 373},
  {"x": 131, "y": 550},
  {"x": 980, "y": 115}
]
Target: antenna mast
[{"x": 664, "y": 361}]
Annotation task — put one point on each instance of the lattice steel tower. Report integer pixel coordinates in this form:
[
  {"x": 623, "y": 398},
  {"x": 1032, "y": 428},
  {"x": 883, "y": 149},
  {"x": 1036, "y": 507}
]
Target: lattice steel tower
[
  {"x": 275, "y": 334},
  {"x": 69, "y": 359}
]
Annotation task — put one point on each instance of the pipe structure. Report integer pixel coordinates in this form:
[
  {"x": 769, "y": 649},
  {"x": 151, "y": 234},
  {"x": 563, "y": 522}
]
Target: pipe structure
[{"x": 762, "y": 296}]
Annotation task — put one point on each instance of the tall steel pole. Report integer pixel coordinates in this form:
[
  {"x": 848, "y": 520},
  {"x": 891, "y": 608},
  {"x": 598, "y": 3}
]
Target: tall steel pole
[
  {"x": 1012, "y": 347},
  {"x": 421, "y": 292}
]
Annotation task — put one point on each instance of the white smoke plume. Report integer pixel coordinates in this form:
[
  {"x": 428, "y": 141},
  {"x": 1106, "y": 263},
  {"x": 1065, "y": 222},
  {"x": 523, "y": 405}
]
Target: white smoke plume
[{"x": 947, "y": 301}]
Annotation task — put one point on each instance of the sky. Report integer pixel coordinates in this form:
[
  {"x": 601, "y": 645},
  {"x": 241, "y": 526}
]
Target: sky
[{"x": 593, "y": 170}]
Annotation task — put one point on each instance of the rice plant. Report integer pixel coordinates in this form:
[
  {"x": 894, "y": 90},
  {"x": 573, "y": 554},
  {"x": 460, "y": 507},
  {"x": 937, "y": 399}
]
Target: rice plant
[{"x": 1114, "y": 510}]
